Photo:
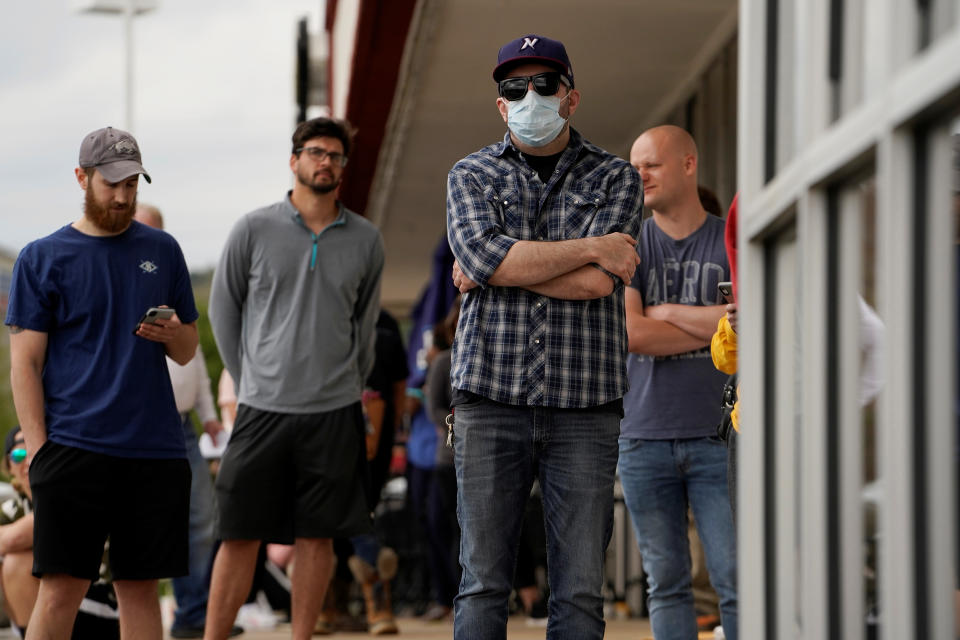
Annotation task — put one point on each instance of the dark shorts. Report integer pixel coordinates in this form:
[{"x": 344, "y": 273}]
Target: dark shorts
[
  {"x": 80, "y": 498},
  {"x": 286, "y": 476}
]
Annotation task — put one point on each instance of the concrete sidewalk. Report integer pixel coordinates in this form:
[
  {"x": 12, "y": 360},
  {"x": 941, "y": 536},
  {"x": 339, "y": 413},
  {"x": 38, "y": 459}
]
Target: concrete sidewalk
[{"x": 517, "y": 629}]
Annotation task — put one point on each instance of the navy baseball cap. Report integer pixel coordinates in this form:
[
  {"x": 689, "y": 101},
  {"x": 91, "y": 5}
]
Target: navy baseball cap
[
  {"x": 112, "y": 152},
  {"x": 533, "y": 48}
]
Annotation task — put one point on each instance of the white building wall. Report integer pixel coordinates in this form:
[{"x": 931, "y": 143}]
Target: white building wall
[
  {"x": 343, "y": 41},
  {"x": 846, "y": 191}
]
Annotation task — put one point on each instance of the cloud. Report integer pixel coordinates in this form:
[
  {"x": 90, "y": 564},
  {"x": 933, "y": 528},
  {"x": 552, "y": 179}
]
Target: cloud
[{"x": 213, "y": 110}]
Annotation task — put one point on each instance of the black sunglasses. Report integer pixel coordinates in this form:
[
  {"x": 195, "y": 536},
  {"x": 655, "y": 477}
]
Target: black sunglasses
[{"x": 546, "y": 84}]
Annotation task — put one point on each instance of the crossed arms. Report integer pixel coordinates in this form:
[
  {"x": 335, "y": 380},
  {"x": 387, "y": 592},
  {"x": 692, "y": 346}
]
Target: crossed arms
[
  {"x": 668, "y": 329},
  {"x": 575, "y": 269},
  {"x": 566, "y": 269}
]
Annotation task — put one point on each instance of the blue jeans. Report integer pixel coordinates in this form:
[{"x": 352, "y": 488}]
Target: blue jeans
[
  {"x": 498, "y": 451},
  {"x": 433, "y": 515},
  {"x": 659, "y": 478},
  {"x": 366, "y": 547},
  {"x": 191, "y": 591}
]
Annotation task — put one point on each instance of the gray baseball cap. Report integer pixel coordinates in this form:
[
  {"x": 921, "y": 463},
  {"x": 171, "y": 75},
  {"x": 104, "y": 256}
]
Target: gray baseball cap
[{"x": 112, "y": 152}]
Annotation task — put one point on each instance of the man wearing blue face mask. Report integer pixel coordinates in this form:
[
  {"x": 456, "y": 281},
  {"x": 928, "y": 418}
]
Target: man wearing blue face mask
[{"x": 543, "y": 226}]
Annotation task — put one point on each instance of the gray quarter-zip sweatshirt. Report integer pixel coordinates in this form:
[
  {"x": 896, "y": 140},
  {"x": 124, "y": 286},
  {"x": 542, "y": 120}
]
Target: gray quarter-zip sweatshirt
[{"x": 294, "y": 312}]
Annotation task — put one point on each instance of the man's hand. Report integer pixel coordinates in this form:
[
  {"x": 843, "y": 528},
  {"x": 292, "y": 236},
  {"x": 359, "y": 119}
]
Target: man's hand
[
  {"x": 163, "y": 330},
  {"x": 460, "y": 280},
  {"x": 213, "y": 427},
  {"x": 617, "y": 253},
  {"x": 179, "y": 340},
  {"x": 732, "y": 315}
]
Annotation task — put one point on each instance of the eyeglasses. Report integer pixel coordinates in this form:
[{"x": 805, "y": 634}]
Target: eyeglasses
[
  {"x": 19, "y": 454},
  {"x": 319, "y": 155},
  {"x": 546, "y": 84}
]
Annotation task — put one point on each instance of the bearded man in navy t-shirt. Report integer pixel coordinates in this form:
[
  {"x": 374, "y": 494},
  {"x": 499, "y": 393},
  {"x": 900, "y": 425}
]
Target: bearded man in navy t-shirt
[{"x": 92, "y": 392}]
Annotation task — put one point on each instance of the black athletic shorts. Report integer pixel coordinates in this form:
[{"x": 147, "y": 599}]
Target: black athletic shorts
[
  {"x": 286, "y": 476},
  {"x": 81, "y": 497}
]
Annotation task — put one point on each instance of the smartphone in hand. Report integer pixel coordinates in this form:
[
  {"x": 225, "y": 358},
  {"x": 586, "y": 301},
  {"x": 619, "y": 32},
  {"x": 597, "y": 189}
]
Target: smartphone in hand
[
  {"x": 726, "y": 292},
  {"x": 153, "y": 314}
]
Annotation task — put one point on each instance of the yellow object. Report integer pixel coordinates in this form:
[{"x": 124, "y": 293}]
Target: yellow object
[{"x": 723, "y": 349}]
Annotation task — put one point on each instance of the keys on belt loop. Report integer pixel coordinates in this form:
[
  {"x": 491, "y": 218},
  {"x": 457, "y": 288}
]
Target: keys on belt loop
[{"x": 449, "y": 420}]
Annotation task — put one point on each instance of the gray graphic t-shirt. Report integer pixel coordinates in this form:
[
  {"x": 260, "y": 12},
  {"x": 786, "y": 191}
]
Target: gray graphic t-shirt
[{"x": 676, "y": 396}]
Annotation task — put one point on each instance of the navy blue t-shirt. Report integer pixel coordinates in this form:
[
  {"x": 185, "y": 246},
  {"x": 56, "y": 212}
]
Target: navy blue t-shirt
[
  {"x": 105, "y": 389},
  {"x": 676, "y": 396}
]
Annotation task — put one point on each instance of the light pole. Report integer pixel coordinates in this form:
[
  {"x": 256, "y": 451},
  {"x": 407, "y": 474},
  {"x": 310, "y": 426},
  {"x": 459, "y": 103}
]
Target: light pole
[{"x": 128, "y": 9}]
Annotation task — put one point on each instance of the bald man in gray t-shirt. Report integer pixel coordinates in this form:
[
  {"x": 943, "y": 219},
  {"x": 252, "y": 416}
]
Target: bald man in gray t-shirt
[{"x": 670, "y": 456}]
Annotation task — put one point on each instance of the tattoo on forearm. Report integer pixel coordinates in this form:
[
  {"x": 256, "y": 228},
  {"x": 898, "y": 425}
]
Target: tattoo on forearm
[{"x": 15, "y": 329}]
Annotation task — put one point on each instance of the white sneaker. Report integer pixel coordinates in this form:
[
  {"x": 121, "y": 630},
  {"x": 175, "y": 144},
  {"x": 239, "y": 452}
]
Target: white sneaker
[
  {"x": 167, "y": 608},
  {"x": 718, "y": 633}
]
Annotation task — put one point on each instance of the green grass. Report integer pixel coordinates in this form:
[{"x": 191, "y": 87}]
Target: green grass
[
  {"x": 201, "y": 293},
  {"x": 8, "y": 417}
]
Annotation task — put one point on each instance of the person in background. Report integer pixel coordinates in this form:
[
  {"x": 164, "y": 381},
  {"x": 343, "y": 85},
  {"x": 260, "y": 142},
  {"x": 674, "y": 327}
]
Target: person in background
[
  {"x": 709, "y": 201},
  {"x": 723, "y": 351},
  {"x": 227, "y": 400},
  {"x": 16, "y": 536},
  {"x": 389, "y": 380},
  {"x": 371, "y": 564},
  {"x": 97, "y": 618},
  {"x": 191, "y": 390},
  {"x": 440, "y": 494}
]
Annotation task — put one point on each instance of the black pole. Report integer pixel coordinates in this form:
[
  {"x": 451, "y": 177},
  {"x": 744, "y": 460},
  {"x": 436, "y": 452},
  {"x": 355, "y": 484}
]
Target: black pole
[{"x": 303, "y": 70}]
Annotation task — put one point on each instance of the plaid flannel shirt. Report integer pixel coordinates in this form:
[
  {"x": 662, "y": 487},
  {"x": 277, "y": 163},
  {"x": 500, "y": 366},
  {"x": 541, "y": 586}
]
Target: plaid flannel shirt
[{"x": 515, "y": 346}]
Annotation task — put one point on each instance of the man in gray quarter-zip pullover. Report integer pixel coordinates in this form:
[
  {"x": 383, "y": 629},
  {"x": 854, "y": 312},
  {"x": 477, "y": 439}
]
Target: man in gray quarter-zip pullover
[{"x": 293, "y": 305}]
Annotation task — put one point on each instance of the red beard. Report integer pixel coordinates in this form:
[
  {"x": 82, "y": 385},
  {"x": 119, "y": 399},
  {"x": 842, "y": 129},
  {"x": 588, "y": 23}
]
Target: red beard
[{"x": 111, "y": 218}]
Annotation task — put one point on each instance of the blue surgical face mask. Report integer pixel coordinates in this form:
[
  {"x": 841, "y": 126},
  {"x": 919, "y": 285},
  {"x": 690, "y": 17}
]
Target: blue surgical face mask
[{"x": 535, "y": 120}]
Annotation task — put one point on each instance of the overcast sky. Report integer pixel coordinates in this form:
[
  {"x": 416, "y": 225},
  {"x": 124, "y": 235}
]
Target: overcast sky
[{"x": 213, "y": 110}]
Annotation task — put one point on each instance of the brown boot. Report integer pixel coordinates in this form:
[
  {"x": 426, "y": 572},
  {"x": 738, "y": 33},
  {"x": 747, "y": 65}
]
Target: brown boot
[
  {"x": 375, "y": 584},
  {"x": 326, "y": 620},
  {"x": 335, "y": 615},
  {"x": 387, "y": 564}
]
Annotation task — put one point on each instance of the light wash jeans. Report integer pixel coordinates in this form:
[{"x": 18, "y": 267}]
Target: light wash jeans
[
  {"x": 191, "y": 591},
  {"x": 498, "y": 450},
  {"x": 659, "y": 479}
]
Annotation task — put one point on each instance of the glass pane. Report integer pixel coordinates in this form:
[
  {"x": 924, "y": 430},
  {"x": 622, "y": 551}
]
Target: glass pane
[
  {"x": 871, "y": 337},
  {"x": 955, "y": 129}
]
